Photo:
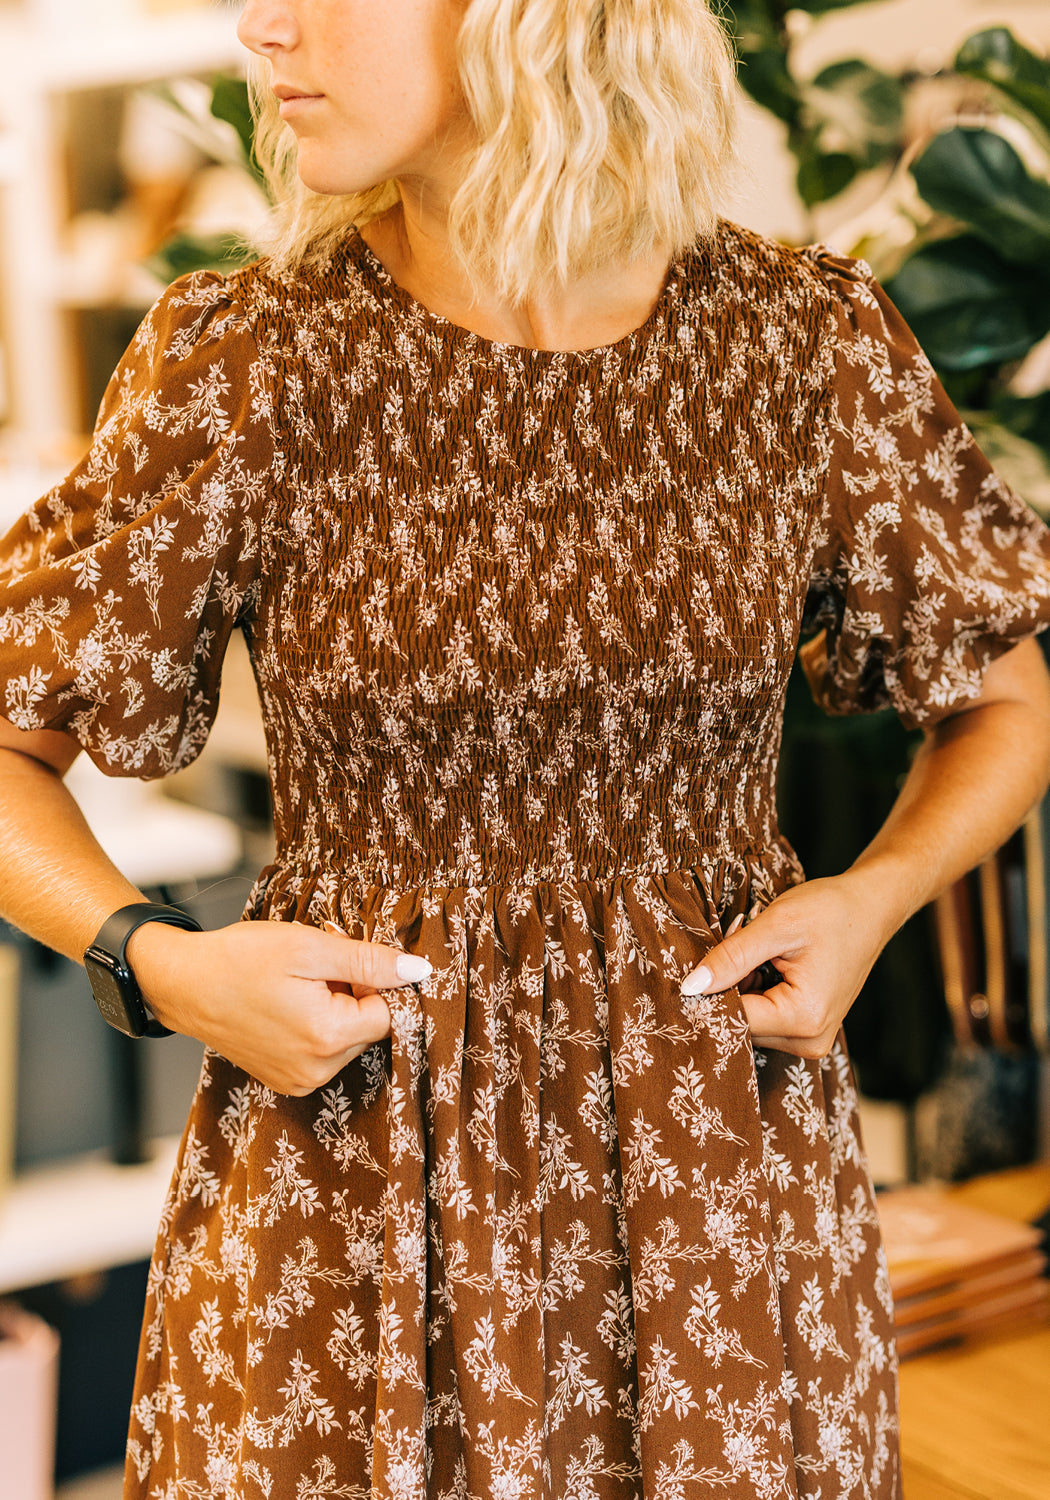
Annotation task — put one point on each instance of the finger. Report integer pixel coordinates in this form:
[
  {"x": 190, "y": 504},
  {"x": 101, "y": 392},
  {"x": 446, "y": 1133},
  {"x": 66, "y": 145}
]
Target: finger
[
  {"x": 767, "y": 1014},
  {"x": 775, "y": 1021},
  {"x": 337, "y": 987},
  {"x": 352, "y": 1025},
  {"x": 737, "y": 956},
  {"x": 411, "y": 968},
  {"x": 778, "y": 1044},
  {"x": 371, "y": 1016},
  {"x": 376, "y": 966},
  {"x": 354, "y": 991},
  {"x": 812, "y": 1048}
]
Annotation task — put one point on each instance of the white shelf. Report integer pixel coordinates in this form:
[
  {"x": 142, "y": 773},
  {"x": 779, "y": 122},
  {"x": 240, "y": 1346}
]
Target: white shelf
[
  {"x": 133, "y": 47},
  {"x": 52, "y": 50},
  {"x": 79, "y": 1217},
  {"x": 152, "y": 839}
]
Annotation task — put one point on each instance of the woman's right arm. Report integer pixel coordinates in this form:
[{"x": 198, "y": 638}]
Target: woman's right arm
[{"x": 272, "y": 997}]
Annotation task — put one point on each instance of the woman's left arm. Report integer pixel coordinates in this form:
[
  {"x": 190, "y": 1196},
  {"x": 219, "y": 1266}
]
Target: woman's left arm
[{"x": 975, "y": 777}]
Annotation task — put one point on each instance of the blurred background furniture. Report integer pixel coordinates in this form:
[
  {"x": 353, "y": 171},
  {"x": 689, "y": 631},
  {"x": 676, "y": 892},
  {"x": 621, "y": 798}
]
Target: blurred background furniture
[
  {"x": 974, "y": 1417},
  {"x": 71, "y": 74},
  {"x": 28, "y": 1380}
]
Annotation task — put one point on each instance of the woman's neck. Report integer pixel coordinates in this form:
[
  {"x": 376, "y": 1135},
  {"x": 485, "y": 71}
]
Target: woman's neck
[{"x": 598, "y": 309}]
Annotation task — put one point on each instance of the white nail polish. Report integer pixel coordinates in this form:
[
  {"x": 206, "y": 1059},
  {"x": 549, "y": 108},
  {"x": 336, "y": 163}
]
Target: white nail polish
[
  {"x": 335, "y": 928},
  {"x": 698, "y": 982},
  {"x": 413, "y": 968}
]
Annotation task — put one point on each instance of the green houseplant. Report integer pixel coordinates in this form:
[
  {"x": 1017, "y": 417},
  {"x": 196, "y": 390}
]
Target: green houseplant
[
  {"x": 975, "y": 284},
  {"x": 217, "y": 119},
  {"x": 971, "y": 269},
  {"x": 844, "y": 120}
]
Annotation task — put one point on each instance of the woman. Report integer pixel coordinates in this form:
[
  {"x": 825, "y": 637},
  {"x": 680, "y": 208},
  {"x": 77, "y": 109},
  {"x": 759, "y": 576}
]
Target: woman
[{"x": 520, "y": 494}]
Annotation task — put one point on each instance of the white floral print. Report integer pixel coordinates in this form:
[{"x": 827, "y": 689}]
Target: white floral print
[{"x": 521, "y": 623}]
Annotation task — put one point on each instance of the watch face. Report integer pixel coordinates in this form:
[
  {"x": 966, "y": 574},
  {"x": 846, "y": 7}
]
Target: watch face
[{"x": 113, "y": 989}]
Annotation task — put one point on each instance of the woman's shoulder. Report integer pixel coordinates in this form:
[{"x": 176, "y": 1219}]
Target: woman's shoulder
[
  {"x": 197, "y": 331},
  {"x": 200, "y": 310},
  {"x": 261, "y": 289},
  {"x": 826, "y": 305},
  {"x": 763, "y": 267}
]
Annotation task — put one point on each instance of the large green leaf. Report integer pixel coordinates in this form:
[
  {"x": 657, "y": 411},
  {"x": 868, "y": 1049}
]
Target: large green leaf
[
  {"x": 762, "y": 52},
  {"x": 851, "y": 121},
  {"x": 997, "y": 57},
  {"x": 975, "y": 175},
  {"x": 766, "y": 77},
  {"x": 856, "y": 109},
  {"x": 970, "y": 390},
  {"x": 187, "y": 252},
  {"x": 968, "y": 306},
  {"x": 229, "y": 102},
  {"x": 822, "y": 174}
]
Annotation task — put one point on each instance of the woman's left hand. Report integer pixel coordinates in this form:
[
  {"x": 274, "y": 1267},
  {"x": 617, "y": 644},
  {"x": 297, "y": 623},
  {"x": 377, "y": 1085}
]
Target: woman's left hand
[
  {"x": 979, "y": 770},
  {"x": 822, "y": 939}
]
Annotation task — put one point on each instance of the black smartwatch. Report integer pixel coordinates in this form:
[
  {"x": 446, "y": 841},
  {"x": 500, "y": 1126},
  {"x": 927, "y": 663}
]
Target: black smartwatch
[{"x": 113, "y": 984}]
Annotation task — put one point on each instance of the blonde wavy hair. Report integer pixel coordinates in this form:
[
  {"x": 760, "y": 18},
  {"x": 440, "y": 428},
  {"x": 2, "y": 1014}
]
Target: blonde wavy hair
[{"x": 604, "y": 128}]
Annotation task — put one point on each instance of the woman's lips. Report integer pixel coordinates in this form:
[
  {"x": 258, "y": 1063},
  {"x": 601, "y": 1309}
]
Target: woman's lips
[
  {"x": 297, "y": 103},
  {"x": 294, "y": 100}
]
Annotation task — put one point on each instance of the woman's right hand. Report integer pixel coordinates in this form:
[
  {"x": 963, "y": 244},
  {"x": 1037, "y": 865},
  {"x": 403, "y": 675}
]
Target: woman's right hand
[{"x": 289, "y": 1004}]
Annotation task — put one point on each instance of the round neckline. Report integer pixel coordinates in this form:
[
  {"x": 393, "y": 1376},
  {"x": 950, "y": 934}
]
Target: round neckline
[{"x": 457, "y": 333}]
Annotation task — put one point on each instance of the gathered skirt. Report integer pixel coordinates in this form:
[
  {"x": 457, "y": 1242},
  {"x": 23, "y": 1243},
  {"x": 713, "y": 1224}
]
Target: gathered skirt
[{"x": 566, "y": 1234}]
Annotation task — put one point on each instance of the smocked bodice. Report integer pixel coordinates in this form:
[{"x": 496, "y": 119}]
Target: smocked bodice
[
  {"x": 533, "y": 618},
  {"x": 516, "y": 615}
]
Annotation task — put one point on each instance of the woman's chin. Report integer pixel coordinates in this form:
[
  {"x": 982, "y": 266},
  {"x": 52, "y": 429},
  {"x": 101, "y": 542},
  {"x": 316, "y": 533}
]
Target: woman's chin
[{"x": 327, "y": 179}]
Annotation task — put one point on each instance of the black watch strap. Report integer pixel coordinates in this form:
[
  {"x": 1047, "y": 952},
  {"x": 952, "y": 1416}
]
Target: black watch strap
[{"x": 113, "y": 937}]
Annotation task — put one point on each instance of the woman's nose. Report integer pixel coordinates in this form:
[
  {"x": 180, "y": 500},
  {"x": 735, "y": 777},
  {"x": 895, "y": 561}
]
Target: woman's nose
[{"x": 268, "y": 26}]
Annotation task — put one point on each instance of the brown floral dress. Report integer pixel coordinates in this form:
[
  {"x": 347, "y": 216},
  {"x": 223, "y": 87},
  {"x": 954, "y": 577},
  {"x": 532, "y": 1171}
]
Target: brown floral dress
[{"x": 521, "y": 622}]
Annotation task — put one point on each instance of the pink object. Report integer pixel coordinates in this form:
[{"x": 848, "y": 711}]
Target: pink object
[{"x": 28, "y": 1387}]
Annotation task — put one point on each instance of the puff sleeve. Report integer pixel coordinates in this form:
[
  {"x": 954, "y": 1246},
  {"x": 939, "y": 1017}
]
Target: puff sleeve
[
  {"x": 119, "y": 590},
  {"x": 927, "y": 566}
]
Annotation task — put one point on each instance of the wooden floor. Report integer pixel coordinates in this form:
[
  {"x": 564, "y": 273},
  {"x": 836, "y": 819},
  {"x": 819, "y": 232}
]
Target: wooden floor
[{"x": 975, "y": 1420}]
